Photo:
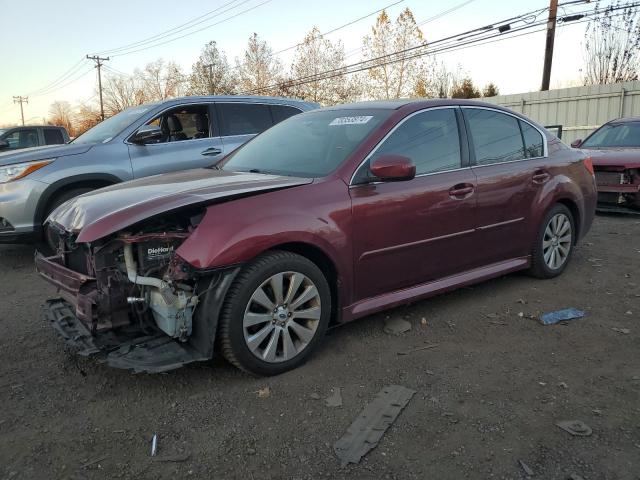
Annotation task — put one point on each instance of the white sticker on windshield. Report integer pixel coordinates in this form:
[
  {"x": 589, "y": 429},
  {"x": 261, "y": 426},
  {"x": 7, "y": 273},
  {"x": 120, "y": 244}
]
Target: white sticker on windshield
[{"x": 359, "y": 120}]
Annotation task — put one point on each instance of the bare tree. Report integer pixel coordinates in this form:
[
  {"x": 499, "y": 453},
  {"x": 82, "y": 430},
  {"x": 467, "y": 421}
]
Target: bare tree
[
  {"x": 402, "y": 77},
  {"x": 211, "y": 75},
  {"x": 612, "y": 46},
  {"x": 61, "y": 114},
  {"x": 440, "y": 81},
  {"x": 259, "y": 69},
  {"x": 87, "y": 116},
  {"x": 120, "y": 92},
  {"x": 161, "y": 80},
  {"x": 315, "y": 55}
]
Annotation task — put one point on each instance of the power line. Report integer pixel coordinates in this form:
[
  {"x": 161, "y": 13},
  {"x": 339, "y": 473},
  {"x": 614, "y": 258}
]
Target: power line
[
  {"x": 180, "y": 28},
  {"x": 59, "y": 87},
  {"x": 195, "y": 31},
  {"x": 68, "y": 73},
  {"x": 394, "y": 56}
]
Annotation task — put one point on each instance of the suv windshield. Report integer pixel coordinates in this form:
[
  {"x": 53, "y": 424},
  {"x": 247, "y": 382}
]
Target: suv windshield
[
  {"x": 312, "y": 144},
  {"x": 615, "y": 135},
  {"x": 105, "y": 131}
]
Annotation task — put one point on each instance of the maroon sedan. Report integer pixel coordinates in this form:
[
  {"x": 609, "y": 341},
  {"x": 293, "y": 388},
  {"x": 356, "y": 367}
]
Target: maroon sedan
[
  {"x": 615, "y": 151},
  {"x": 328, "y": 216}
]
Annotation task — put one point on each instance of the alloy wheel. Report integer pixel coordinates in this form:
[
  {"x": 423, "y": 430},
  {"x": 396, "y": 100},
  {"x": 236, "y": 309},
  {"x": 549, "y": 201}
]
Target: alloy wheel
[
  {"x": 557, "y": 241},
  {"x": 282, "y": 317}
]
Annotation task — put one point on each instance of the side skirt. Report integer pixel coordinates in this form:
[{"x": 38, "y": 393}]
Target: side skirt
[{"x": 425, "y": 290}]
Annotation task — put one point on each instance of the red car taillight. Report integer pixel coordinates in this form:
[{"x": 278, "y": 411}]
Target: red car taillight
[{"x": 588, "y": 164}]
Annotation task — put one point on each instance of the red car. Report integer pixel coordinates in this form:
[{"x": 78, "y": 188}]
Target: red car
[
  {"x": 615, "y": 151},
  {"x": 328, "y": 216}
]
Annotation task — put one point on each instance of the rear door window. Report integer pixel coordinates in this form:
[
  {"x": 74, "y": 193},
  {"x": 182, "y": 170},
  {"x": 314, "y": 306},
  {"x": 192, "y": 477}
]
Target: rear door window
[
  {"x": 244, "y": 118},
  {"x": 282, "y": 112},
  {"x": 533, "y": 141},
  {"x": 53, "y": 136},
  {"x": 495, "y": 136}
]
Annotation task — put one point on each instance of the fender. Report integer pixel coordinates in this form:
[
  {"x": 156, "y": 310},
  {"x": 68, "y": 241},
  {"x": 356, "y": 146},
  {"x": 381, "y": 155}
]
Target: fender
[
  {"x": 57, "y": 186},
  {"x": 235, "y": 232}
]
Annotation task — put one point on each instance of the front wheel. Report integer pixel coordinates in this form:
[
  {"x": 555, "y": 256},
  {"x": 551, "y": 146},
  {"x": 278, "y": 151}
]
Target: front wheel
[
  {"x": 554, "y": 243},
  {"x": 275, "y": 314}
]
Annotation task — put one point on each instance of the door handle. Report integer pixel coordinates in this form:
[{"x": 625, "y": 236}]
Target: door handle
[
  {"x": 211, "y": 151},
  {"x": 540, "y": 176},
  {"x": 461, "y": 190}
]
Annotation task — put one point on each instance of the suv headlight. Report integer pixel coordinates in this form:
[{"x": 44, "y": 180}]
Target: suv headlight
[{"x": 13, "y": 172}]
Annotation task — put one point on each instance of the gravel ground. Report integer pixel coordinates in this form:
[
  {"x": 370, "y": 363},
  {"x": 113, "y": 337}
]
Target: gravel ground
[{"x": 488, "y": 395}]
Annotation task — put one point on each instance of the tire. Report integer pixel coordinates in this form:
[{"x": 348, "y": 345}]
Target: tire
[
  {"x": 552, "y": 252},
  {"x": 262, "y": 334},
  {"x": 49, "y": 236}
]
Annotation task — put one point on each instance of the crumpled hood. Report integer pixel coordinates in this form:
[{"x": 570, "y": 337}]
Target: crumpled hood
[
  {"x": 42, "y": 153},
  {"x": 614, "y": 157},
  {"x": 97, "y": 214}
]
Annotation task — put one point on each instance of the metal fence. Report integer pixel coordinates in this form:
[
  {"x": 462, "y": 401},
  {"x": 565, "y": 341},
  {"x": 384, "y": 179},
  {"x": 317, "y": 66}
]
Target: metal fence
[{"x": 579, "y": 110}]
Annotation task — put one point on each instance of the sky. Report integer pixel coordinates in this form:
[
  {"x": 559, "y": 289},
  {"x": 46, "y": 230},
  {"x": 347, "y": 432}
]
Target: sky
[{"x": 43, "y": 43}]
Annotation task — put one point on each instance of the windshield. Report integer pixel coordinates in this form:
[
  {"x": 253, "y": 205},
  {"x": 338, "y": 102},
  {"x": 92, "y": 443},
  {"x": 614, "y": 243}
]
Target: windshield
[
  {"x": 2, "y": 130},
  {"x": 615, "y": 135},
  {"x": 105, "y": 131},
  {"x": 312, "y": 144}
]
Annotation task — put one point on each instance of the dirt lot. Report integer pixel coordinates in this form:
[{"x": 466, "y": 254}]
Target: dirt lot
[{"x": 487, "y": 396}]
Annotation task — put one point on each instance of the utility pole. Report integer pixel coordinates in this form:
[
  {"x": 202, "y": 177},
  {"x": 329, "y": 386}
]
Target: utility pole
[
  {"x": 99, "y": 61},
  {"x": 548, "y": 49},
  {"x": 20, "y": 99},
  {"x": 210, "y": 67}
]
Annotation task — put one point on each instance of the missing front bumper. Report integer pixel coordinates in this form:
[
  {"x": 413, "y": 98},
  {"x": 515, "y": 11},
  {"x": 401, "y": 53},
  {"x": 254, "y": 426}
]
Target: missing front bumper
[{"x": 126, "y": 349}]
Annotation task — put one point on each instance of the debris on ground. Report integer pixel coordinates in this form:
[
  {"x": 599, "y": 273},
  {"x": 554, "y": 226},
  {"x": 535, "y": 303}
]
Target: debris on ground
[
  {"x": 576, "y": 428},
  {"x": 154, "y": 445},
  {"x": 575, "y": 476},
  {"x": 527, "y": 470},
  {"x": 624, "y": 331},
  {"x": 423, "y": 321},
  {"x": 396, "y": 326},
  {"x": 628, "y": 312},
  {"x": 368, "y": 428},
  {"x": 93, "y": 462},
  {"x": 417, "y": 349},
  {"x": 551, "y": 318},
  {"x": 264, "y": 392},
  {"x": 315, "y": 396},
  {"x": 335, "y": 399},
  {"x": 183, "y": 457},
  {"x": 563, "y": 385}
]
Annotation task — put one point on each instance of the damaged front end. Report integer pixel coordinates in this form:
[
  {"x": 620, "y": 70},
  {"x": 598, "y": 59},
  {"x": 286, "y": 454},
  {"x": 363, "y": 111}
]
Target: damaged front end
[
  {"x": 131, "y": 300},
  {"x": 618, "y": 188}
]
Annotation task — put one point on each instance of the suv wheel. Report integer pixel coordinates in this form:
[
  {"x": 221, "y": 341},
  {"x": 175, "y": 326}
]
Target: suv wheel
[
  {"x": 554, "y": 243},
  {"x": 275, "y": 314}
]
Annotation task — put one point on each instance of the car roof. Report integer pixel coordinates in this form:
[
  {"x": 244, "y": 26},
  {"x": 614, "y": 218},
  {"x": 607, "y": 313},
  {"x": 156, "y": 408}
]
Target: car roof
[
  {"x": 32, "y": 126},
  {"x": 625, "y": 120},
  {"x": 239, "y": 98},
  {"x": 413, "y": 103}
]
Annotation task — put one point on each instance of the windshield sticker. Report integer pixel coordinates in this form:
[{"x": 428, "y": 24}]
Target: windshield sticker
[{"x": 359, "y": 120}]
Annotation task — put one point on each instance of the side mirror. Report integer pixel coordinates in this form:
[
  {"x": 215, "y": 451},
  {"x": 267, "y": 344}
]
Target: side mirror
[
  {"x": 147, "y": 134},
  {"x": 4, "y": 144},
  {"x": 393, "y": 168},
  {"x": 576, "y": 143}
]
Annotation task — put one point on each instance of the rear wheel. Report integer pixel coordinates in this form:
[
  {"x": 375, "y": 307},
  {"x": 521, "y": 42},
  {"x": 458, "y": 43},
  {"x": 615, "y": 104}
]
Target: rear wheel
[
  {"x": 275, "y": 314},
  {"x": 50, "y": 237},
  {"x": 554, "y": 243}
]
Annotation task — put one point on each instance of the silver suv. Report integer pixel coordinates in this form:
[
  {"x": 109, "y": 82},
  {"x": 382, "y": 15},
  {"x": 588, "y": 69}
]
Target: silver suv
[{"x": 176, "y": 134}]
